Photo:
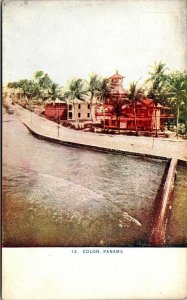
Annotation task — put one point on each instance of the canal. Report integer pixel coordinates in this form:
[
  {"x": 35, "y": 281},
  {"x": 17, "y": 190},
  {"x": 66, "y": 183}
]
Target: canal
[{"x": 60, "y": 196}]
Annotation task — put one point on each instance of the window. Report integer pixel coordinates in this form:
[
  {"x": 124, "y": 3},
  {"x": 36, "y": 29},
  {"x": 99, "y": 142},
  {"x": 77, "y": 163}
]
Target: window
[
  {"x": 70, "y": 115},
  {"x": 79, "y": 106},
  {"x": 113, "y": 122},
  {"x": 88, "y": 106},
  {"x": 79, "y": 115},
  {"x": 88, "y": 115},
  {"x": 70, "y": 107}
]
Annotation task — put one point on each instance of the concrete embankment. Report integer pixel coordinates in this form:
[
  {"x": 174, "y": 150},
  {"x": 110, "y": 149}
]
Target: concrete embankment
[
  {"x": 163, "y": 205},
  {"x": 90, "y": 147},
  {"x": 145, "y": 146}
]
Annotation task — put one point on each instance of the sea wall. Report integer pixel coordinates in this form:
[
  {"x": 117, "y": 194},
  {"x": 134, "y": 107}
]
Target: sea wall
[
  {"x": 90, "y": 147},
  {"x": 163, "y": 205}
]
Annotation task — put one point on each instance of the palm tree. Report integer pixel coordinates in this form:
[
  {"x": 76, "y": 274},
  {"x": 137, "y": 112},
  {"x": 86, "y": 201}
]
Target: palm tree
[
  {"x": 132, "y": 97},
  {"x": 177, "y": 91},
  {"x": 93, "y": 86},
  {"x": 158, "y": 79},
  {"x": 135, "y": 93},
  {"x": 75, "y": 90},
  {"x": 44, "y": 83},
  {"x": 117, "y": 108},
  {"x": 29, "y": 87},
  {"x": 103, "y": 93},
  {"x": 55, "y": 91}
]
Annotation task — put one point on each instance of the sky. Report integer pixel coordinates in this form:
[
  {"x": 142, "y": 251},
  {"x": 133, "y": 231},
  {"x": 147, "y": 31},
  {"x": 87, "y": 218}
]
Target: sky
[{"x": 69, "y": 39}]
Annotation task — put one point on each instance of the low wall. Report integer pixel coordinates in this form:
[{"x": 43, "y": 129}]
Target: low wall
[
  {"x": 162, "y": 205},
  {"x": 92, "y": 148}
]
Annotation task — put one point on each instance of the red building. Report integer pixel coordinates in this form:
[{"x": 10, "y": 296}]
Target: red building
[
  {"x": 117, "y": 90},
  {"x": 143, "y": 115},
  {"x": 118, "y": 112},
  {"x": 57, "y": 111}
]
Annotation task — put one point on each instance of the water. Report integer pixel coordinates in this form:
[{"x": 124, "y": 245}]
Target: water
[{"x": 60, "y": 196}]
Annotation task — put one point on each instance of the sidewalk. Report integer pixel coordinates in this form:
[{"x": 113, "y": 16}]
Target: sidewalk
[{"x": 144, "y": 145}]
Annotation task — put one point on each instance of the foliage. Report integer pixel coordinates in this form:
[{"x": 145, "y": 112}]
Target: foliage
[
  {"x": 177, "y": 95},
  {"x": 164, "y": 87},
  {"x": 75, "y": 90},
  {"x": 55, "y": 92},
  {"x": 135, "y": 93},
  {"x": 169, "y": 89},
  {"x": 41, "y": 86},
  {"x": 117, "y": 108},
  {"x": 103, "y": 89},
  {"x": 29, "y": 88},
  {"x": 158, "y": 79},
  {"x": 93, "y": 85}
]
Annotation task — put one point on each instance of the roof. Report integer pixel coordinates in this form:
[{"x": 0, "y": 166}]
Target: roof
[
  {"x": 147, "y": 101},
  {"x": 150, "y": 102},
  {"x": 117, "y": 75},
  {"x": 86, "y": 101}
]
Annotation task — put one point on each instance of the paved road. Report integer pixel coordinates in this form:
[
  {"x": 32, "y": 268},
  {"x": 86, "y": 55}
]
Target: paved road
[{"x": 145, "y": 145}]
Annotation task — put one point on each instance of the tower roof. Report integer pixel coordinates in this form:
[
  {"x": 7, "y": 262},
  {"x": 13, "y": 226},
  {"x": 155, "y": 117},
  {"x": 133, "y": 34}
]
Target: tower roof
[{"x": 117, "y": 75}]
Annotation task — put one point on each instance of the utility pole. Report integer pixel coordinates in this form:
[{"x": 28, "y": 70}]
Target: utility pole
[
  {"x": 153, "y": 141},
  {"x": 31, "y": 107},
  {"x": 58, "y": 126}
]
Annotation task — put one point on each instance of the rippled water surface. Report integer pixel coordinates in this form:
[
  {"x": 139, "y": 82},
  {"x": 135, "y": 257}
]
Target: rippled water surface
[{"x": 61, "y": 196}]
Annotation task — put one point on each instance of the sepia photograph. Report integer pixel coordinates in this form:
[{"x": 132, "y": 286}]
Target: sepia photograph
[{"x": 94, "y": 123}]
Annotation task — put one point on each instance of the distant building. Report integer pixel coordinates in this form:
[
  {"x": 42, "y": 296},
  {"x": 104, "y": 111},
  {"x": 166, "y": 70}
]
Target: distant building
[
  {"x": 117, "y": 91},
  {"x": 76, "y": 112},
  {"x": 56, "y": 110},
  {"x": 145, "y": 115},
  {"x": 80, "y": 111},
  {"x": 13, "y": 93}
]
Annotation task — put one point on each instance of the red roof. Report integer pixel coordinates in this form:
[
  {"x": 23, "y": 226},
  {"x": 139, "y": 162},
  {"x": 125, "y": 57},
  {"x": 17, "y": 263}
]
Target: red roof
[
  {"x": 147, "y": 101},
  {"x": 117, "y": 75}
]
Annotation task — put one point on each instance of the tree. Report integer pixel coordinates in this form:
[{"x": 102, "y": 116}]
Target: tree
[
  {"x": 41, "y": 86},
  {"x": 44, "y": 84},
  {"x": 157, "y": 79},
  {"x": 93, "y": 86},
  {"x": 29, "y": 88},
  {"x": 177, "y": 93},
  {"x": 103, "y": 93},
  {"x": 135, "y": 93},
  {"x": 55, "y": 91},
  {"x": 75, "y": 90},
  {"x": 117, "y": 109},
  {"x": 42, "y": 79},
  {"x": 12, "y": 85}
]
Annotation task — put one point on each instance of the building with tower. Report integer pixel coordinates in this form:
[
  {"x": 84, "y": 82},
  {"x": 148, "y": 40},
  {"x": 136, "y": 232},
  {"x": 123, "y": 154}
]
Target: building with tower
[
  {"x": 118, "y": 112},
  {"x": 117, "y": 91}
]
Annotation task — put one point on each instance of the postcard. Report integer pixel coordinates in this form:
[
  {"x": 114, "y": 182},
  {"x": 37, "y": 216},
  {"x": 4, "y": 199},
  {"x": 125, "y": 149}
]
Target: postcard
[{"x": 94, "y": 146}]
